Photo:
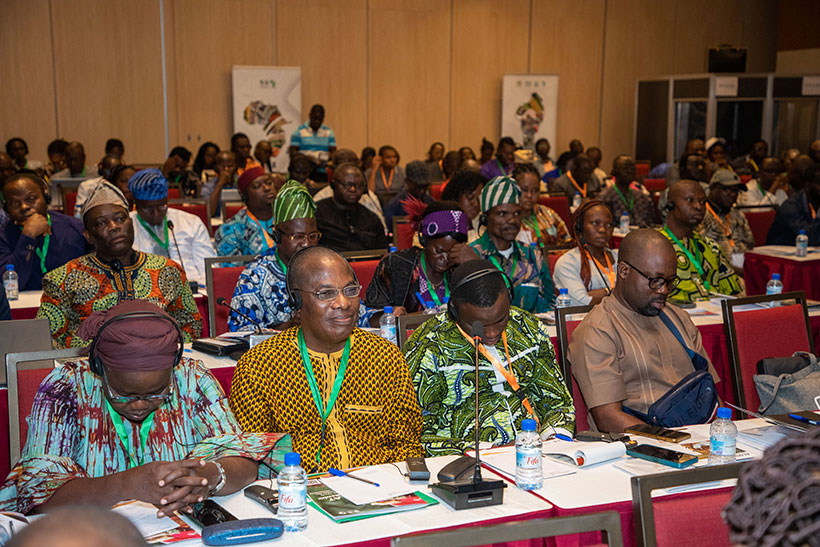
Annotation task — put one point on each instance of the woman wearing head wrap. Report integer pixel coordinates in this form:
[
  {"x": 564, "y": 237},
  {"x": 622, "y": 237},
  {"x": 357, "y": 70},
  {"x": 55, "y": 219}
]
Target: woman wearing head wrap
[
  {"x": 416, "y": 278},
  {"x": 539, "y": 223},
  {"x": 250, "y": 231},
  {"x": 135, "y": 425}
]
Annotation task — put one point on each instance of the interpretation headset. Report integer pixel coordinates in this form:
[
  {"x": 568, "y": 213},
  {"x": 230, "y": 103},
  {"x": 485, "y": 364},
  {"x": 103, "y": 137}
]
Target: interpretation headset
[
  {"x": 96, "y": 366},
  {"x": 581, "y": 212},
  {"x": 295, "y": 296},
  {"x": 31, "y": 176},
  {"x": 669, "y": 205},
  {"x": 478, "y": 274}
]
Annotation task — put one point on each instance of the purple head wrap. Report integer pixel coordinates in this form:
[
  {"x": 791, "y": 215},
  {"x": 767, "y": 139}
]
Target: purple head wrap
[{"x": 444, "y": 222}]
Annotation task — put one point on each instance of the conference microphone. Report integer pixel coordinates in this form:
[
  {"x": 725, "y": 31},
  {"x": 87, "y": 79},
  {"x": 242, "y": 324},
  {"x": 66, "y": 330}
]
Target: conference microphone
[
  {"x": 477, "y": 332},
  {"x": 222, "y": 302},
  {"x": 194, "y": 285}
]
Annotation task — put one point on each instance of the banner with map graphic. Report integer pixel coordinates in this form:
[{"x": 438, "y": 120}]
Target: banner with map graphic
[
  {"x": 529, "y": 108},
  {"x": 267, "y": 105}
]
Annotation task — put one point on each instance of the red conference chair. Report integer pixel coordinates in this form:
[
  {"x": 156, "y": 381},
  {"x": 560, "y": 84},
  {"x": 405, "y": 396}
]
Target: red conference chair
[
  {"x": 642, "y": 168},
  {"x": 69, "y": 201},
  {"x": 403, "y": 233},
  {"x": 173, "y": 193},
  {"x": 364, "y": 265},
  {"x": 195, "y": 207},
  {"x": 553, "y": 258},
  {"x": 655, "y": 185},
  {"x": 230, "y": 209},
  {"x": 436, "y": 190},
  {"x": 559, "y": 204},
  {"x": 745, "y": 178},
  {"x": 760, "y": 222},
  {"x": 565, "y": 329},
  {"x": 769, "y": 332},
  {"x": 220, "y": 281}
]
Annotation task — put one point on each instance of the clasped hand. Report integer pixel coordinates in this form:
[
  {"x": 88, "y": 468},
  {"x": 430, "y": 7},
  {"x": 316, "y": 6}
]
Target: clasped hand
[{"x": 171, "y": 486}]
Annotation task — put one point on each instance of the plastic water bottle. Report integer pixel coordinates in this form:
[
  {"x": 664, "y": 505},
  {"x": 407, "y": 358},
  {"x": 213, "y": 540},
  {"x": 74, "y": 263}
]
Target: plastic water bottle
[
  {"x": 625, "y": 222},
  {"x": 11, "y": 283},
  {"x": 576, "y": 201},
  {"x": 529, "y": 474},
  {"x": 387, "y": 325},
  {"x": 802, "y": 243},
  {"x": 292, "y": 481},
  {"x": 723, "y": 438},
  {"x": 564, "y": 300},
  {"x": 392, "y": 249},
  {"x": 774, "y": 286}
]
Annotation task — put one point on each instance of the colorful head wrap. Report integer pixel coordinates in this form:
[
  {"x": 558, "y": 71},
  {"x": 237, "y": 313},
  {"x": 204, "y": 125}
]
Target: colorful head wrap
[
  {"x": 247, "y": 177},
  {"x": 444, "y": 222},
  {"x": 148, "y": 185},
  {"x": 499, "y": 191},
  {"x": 136, "y": 344},
  {"x": 293, "y": 201},
  {"x": 104, "y": 194}
]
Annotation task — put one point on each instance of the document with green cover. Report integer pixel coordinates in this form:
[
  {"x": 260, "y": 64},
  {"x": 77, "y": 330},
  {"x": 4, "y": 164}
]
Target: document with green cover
[{"x": 328, "y": 502}]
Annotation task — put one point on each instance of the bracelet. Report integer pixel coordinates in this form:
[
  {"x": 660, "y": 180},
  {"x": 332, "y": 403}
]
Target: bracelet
[{"x": 221, "y": 483}]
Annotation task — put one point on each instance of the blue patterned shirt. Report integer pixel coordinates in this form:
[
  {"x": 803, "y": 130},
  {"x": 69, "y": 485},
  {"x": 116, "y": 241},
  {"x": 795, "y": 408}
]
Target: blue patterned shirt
[
  {"x": 242, "y": 236},
  {"x": 312, "y": 143}
]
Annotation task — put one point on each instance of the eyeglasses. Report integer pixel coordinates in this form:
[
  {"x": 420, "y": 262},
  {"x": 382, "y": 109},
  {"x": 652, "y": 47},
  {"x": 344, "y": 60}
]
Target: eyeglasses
[
  {"x": 127, "y": 400},
  {"x": 350, "y": 291},
  {"x": 351, "y": 186},
  {"x": 655, "y": 283},
  {"x": 312, "y": 237}
]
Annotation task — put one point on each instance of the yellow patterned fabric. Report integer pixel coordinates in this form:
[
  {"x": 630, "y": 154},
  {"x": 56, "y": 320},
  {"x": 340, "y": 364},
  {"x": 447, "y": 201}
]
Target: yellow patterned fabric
[{"x": 376, "y": 418}]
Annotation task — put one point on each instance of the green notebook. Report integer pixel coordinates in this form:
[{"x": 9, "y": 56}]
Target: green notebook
[{"x": 329, "y": 503}]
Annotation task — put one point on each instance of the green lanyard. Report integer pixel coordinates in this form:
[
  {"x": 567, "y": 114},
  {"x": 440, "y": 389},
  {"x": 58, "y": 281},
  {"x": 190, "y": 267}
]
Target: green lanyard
[
  {"x": 145, "y": 428},
  {"x": 163, "y": 244},
  {"x": 436, "y": 299},
  {"x": 503, "y": 170},
  {"x": 324, "y": 411},
  {"x": 535, "y": 227},
  {"x": 43, "y": 251},
  {"x": 281, "y": 264},
  {"x": 495, "y": 261},
  {"x": 631, "y": 203},
  {"x": 696, "y": 261}
]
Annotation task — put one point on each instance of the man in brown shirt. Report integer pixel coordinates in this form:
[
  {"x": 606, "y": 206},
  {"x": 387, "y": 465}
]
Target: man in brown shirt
[{"x": 622, "y": 353}]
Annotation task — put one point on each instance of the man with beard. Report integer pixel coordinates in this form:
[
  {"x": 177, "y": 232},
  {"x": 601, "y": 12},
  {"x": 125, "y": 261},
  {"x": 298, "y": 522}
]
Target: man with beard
[{"x": 625, "y": 353}]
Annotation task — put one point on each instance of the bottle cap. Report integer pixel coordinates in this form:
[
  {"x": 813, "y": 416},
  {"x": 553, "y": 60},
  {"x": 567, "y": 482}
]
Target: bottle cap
[
  {"x": 388, "y": 309},
  {"x": 9, "y": 266},
  {"x": 776, "y": 276},
  {"x": 429, "y": 304},
  {"x": 293, "y": 458},
  {"x": 392, "y": 249},
  {"x": 724, "y": 413},
  {"x": 563, "y": 291},
  {"x": 802, "y": 232},
  {"x": 528, "y": 424}
]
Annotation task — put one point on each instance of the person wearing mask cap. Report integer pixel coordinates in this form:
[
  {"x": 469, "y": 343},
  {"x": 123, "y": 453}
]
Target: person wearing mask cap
[
  {"x": 250, "y": 231},
  {"x": 112, "y": 273},
  {"x": 133, "y": 420},
  {"x": 724, "y": 223},
  {"x": 167, "y": 232},
  {"x": 416, "y": 185},
  {"x": 524, "y": 265}
]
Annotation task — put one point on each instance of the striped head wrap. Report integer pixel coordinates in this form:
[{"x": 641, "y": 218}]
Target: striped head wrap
[
  {"x": 293, "y": 201},
  {"x": 148, "y": 185},
  {"x": 499, "y": 191}
]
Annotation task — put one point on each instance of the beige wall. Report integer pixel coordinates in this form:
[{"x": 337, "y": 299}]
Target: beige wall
[
  {"x": 407, "y": 72},
  {"x": 799, "y": 61}
]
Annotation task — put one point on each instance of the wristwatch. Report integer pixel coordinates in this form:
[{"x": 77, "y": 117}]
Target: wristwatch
[{"x": 221, "y": 482}]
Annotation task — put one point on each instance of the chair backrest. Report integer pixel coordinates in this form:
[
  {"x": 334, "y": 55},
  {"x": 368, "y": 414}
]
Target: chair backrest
[
  {"x": 655, "y": 185},
  {"x": 364, "y": 264},
  {"x": 552, "y": 259},
  {"x": 406, "y": 324},
  {"x": 22, "y": 386},
  {"x": 436, "y": 191},
  {"x": 173, "y": 193},
  {"x": 642, "y": 168},
  {"x": 230, "y": 209},
  {"x": 559, "y": 204},
  {"x": 669, "y": 519},
  {"x": 565, "y": 329},
  {"x": 760, "y": 222},
  {"x": 751, "y": 335},
  {"x": 608, "y": 522},
  {"x": 23, "y": 335},
  {"x": 69, "y": 200},
  {"x": 198, "y": 207},
  {"x": 220, "y": 281},
  {"x": 403, "y": 233}
]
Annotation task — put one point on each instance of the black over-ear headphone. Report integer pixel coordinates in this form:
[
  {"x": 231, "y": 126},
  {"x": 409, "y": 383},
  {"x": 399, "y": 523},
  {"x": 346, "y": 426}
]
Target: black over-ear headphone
[
  {"x": 294, "y": 296},
  {"x": 669, "y": 205},
  {"x": 478, "y": 274},
  {"x": 94, "y": 362},
  {"x": 277, "y": 236},
  {"x": 39, "y": 180}
]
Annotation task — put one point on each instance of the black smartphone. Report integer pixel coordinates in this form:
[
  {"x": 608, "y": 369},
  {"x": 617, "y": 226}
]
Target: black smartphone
[
  {"x": 663, "y": 456},
  {"x": 263, "y": 496},
  {"x": 209, "y": 512},
  {"x": 655, "y": 432}
]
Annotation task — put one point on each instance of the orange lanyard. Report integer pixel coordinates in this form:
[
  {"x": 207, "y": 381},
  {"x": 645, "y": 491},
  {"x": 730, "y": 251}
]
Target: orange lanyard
[
  {"x": 583, "y": 191},
  {"x": 268, "y": 238},
  {"x": 813, "y": 212},
  {"x": 509, "y": 376},
  {"x": 726, "y": 227},
  {"x": 387, "y": 183},
  {"x": 610, "y": 272}
]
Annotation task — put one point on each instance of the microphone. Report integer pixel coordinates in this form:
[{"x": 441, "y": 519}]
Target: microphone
[
  {"x": 222, "y": 302},
  {"x": 477, "y": 332},
  {"x": 603, "y": 277},
  {"x": 194, "y": 285}
]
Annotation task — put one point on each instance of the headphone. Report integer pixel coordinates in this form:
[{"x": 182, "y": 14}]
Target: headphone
[
  {"x": 669, "y": 205},
  {"x": 277, "y": 236},
  {"x": 295, "y": 296},
  {"x": 478, "y": 274},
  {"x": 94, "y": 362},
  {"x": 44, "y": 187},
  {"x": 482, "y": 219}
]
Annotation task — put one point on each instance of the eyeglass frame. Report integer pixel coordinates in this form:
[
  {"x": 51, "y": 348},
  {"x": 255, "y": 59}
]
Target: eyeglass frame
[
  {"x": 131, "y": 399},
  {"x": 333, "y": 293},
  {"x": 301, "y": 236},
  {"x": 675, "y": 280}
]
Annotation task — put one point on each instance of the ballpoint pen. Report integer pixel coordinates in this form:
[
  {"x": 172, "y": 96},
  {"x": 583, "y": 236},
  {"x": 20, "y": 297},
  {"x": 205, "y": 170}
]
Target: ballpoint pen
[
  {"x": 337, "y": 473},
  {"x": 800, "y": 418}
]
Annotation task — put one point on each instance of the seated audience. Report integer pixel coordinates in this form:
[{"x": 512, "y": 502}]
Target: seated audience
[
  {"x": 565, "y": 159},
  {"x": 693, "y": 168},
  {"x": 632, "y": 348},
  {"x": 226, "y": 177},
  {"x": 368, "y": 154},
  {"x": 104, "y": 170},
  {"x": 346, "y": 224},
  {"x": 315, "y": 140},
  {"x": 524, "y": 265},
  {"x": 372, "y": 418},
  {"x": 595, "y": 156},
  {"x": 703, "y": 269},
  {"x": 716, "y": 154},
  {"x": 17, "y": 149},
  {"x": 411, "y": 279},
  {"x": 622, "y": 198},
  {"x": 165, "y": 231},
  {"x": 176, "y": 172},
  {"x": 369, "y": 199},
  {"x": 205, "y": 161},
  {"x": 263, "y": 152},
  {"x": 250, "y": 230},
  {"x": 75, "y": 167},
  {"x": 724, "y": 223},
  {"x": 587, "y": 271},
  {"x": 693, "y": 146},
  {"x": 32, "y": 238},
  {"x": 543, "y": 162},
  {"x": 171, "y": 441},
  {"x": 466, "y": 153},
  {"x": 7, "y": 168},
  {"x": 750, "y": 163},
  {"x": 799, "y": 213},
  {"x": 435, "y": 163},
  {"x": 578, "y": 180},
  {"x": 539, "y": 223},
  {"x": 520, "y": 377},
  {"x": 787, "y": 157},
  {"x": 241, "y": 148},
  {"x": 74, "y": 526},
  {"x": 56, "y": 156},
  {"x": 465, "y": 189},
  {"x": 814, "y": 151},
  {"x": 486, "y": 151},
  {"x": 503, "y": 163},
  {"x": 385, "y": 176},
  {"x": 119, "y": 177},
  {"x": 416, "y": 185},
  {"x": 112, "y": 273},
  {"x": 771, "y": 186},
  {"x": 115, "y": 147},
  {"x": 450, "y": 165}
]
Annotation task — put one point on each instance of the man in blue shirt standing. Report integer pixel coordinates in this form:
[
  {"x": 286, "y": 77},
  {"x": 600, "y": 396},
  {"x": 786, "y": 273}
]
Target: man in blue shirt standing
[{"x": 316, "y": 141}]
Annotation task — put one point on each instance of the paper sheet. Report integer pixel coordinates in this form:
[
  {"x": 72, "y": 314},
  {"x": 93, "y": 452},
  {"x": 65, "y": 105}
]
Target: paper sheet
[
  {"x": 503, "y": 460},
  {"x": 391, "y": 484},
  {"x": 582, "y": 454},
  {"x": 144, "y": 517}
]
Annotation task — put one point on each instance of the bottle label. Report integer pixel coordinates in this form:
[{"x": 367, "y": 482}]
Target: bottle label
[
  {"x": 388, "y": 332},
  {"x": 722, "y": 447},
  {"x": 292, "y": 497},
  {"x": 528, "y": 458}
]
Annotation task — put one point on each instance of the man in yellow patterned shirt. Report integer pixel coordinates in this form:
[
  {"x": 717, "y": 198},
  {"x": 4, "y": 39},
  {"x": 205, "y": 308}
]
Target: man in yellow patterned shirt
[{"x": 343, "y": 394}]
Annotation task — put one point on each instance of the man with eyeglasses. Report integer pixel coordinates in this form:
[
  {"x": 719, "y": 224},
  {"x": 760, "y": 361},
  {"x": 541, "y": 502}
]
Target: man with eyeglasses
[
  {"x": 623, "y": 354},
  {"x": 342, "y": 393},
  {"x": 165, "y": 231},
  {"x": 134, "y": 420}
]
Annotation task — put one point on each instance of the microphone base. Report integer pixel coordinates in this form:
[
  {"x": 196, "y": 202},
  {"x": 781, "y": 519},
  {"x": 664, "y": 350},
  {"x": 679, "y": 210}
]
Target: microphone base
[{"x": 467, "y": 494}]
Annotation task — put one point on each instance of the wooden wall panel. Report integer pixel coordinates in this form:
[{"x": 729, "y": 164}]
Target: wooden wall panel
[
  {"x": 328, "y": 39},
  {"x": 409, "y": 75},
  {"x": 108, "y": 74},
  {"x": 490, "y": 39},
  {"x": 567, "y": 39},
  {"x": 27, "y": 106}
]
